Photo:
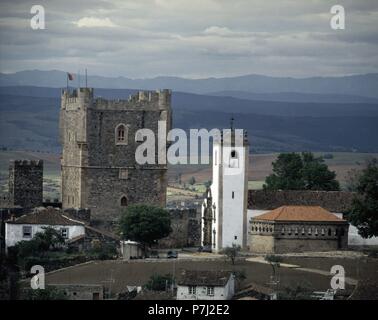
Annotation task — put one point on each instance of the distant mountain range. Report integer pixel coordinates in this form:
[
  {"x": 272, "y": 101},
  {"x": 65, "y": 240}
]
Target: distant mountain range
[
  {"x": 356, "y": 88},
  {"x": 29, "y": 120}
]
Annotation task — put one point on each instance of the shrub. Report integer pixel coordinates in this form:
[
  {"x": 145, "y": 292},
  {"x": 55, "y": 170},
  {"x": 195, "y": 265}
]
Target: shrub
[{"x": 159, "y": 282}]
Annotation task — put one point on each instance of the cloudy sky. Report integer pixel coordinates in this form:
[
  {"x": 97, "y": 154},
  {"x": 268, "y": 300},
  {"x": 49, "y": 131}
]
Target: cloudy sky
[{"x": 191, "y": 38}]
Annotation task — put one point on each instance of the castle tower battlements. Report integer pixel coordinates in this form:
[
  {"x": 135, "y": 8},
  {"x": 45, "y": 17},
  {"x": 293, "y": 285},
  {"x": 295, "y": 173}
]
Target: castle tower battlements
[
  {"x": 26, "y": 183},
  {"x": 99, "y": 141}
]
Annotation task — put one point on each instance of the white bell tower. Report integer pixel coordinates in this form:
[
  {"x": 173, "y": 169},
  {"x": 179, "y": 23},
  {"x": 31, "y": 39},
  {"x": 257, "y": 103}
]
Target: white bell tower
[{"x": 224, "y": 218}]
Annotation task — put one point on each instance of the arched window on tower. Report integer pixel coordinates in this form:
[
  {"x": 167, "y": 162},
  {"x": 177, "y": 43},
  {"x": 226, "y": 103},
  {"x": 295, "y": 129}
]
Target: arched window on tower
[
  {"x": 124, "y": 201},
  {"x": 121, "y": 134},
  {"x": 234, "y": 159}
]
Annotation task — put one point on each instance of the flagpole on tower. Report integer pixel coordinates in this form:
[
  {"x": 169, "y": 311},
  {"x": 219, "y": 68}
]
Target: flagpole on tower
[{"x": 86, "y": 78}]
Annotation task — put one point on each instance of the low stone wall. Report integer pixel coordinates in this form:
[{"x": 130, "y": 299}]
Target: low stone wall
[
  {"x": 186, "y": 229},
  {"x": 334, "y": 201},
  {"x": 304, "y": 245}
]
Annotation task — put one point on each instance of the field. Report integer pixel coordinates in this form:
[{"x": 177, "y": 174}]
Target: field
[
  {"x": 51, "y": 174},
  {"x": 117, "y": 275},
  {"x": 259, "y": 168}
]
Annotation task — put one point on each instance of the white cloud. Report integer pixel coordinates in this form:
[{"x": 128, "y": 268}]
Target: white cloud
[
  {"x": 219, "y": 31},
  {"x": 92, "y": 22},
  {"x": 146, "y": 38}
]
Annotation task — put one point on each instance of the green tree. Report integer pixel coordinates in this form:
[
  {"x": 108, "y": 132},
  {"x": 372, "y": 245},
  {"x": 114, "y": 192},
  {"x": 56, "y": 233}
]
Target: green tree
[
  {"x": 240, "y": 276},
  {"x": 364, "y": 211},
  {"x": 352, "y": 179},
  {"x": 41, "y": 243},
  {"x": 316, "y": 175},
  {"x": 103, "y": 251},
  {"x": 292, "y": 171},
  {"x": 207, "y": 184},
  {"x": 159, "y": 282},
  {"x": 49, "y": 293},
  {"x": 50, "y": 238},
  {"x": 296, "y": 292},
  {"x": 232, "y": 252},
  {"x": 145, "y": 224},
  {"x": 192, "y": 181},
  {"x": 287, "y": 173}
]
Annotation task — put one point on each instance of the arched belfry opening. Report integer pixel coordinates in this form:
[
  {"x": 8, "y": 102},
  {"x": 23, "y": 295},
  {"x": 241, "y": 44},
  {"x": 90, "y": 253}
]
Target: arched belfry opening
[{"x": 234, "y": 159}]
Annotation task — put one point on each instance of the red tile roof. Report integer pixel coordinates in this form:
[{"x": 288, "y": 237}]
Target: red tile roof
[
  {"x": 48, "y": 216},
  {"x": 299, "y": 213},
  {"x": 204, "y": 277}
]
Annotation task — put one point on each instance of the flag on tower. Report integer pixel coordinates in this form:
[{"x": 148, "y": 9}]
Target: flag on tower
[{"x": 70, "y": 76}]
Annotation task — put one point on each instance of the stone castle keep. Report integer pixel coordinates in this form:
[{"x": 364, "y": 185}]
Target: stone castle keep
[
  {"x": 99, "y": 171},
  {"x": 26, "y": 183}
]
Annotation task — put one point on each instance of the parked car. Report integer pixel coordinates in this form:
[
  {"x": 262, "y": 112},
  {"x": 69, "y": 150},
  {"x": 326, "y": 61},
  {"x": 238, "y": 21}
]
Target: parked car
[{"x": 172, "y": 255}]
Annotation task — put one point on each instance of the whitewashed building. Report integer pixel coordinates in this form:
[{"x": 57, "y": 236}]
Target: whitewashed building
[
  {"x": 205, "y": 285},
  {"x": 224, "y": 210},
  {"x": 26, "y": 226},
  {"x": 131, "y": 250}
]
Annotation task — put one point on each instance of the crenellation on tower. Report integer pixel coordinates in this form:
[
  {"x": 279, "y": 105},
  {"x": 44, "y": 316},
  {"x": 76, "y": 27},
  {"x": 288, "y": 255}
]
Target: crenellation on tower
[
  {"x": 99, "y": 170},
  {"x": 26, "y": 183}
]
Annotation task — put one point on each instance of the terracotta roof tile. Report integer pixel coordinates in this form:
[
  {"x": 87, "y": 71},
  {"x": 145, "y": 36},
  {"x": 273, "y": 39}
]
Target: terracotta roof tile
[
  {"x": 299, "y": 213},
  {"x": 48, "y": 216},
  {"x": 204, "y": 277}
]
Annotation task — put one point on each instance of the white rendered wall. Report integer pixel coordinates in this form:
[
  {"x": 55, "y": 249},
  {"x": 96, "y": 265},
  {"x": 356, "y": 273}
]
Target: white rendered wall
[
  {"x": 216, "y": 194},
  {"x": 220, "y": 293},
  {"x": 234, "y": 184},
  {"x": 354, "y": 238},
  {"x": 14, "y": 232}
]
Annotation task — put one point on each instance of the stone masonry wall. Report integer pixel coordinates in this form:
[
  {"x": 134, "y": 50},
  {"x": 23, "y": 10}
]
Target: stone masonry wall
[
  {"x": 26, "y": 183},
  {"x": 334, "y": 201},
  {"x": 97, "y": 171},
  {"x": 186, "y": 229},
  {"x": 284, "y": 237}
]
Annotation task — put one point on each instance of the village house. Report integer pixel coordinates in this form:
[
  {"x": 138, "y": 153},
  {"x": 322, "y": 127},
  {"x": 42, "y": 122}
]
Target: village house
[
  {"x": 26, "y": 226},
  {"x": 205, "y": 285},
  {"x": 297, "y": 229}
]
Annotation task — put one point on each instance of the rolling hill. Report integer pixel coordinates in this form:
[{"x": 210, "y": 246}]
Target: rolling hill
[
  {"x": 29, "y": 120},
  {"x": 358, "y": 85}
]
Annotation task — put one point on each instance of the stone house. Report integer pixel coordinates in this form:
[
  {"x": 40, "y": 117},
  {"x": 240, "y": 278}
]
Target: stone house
[
  {"x": 26, "y": 226},
  {"x": 297, "y": 229},
  {"x": 205, "y": 285},
  {"x": 81, "y": 291},
  {"x": 94, "y": 238}
]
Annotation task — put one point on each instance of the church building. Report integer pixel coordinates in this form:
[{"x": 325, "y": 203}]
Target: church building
[
  {"x": 224, "y": 210},
  {"x": 297, "y": 229}
]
